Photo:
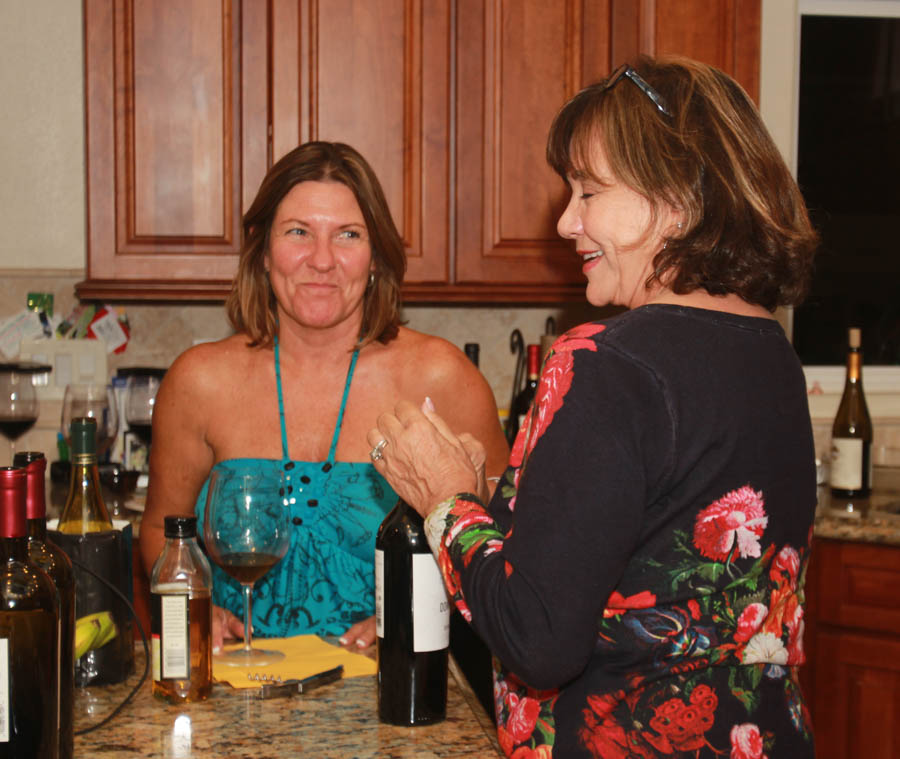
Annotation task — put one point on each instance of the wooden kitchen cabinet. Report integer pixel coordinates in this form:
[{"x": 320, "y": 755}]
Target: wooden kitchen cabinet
[
  {"x": 852, "y": 677},
  {"x": 188, "y": 104}
]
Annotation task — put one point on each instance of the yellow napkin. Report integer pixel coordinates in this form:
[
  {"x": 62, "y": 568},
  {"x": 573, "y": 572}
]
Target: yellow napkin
[{"x": 305, "y": 655}]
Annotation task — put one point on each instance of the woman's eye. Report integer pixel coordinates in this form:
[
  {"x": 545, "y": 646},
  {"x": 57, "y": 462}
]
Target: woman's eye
[
  {"x": 586, "y": 195},
  {"x": 299, "y": 231},
  {"x": 350, "y": 234}
]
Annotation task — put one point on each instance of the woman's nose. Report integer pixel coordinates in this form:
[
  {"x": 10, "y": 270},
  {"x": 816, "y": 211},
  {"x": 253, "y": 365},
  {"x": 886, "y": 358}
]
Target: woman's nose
[
  {"x": 322, "y": 256},
  {"x": 569, "y": 224}
]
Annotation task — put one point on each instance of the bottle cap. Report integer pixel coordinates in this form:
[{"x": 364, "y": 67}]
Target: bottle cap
[
  {"x": 83, "y": 433},
  {"x": 12, "y": 502},
  {"x": 855, "y": 337},
  {"x": 34, "y": 464},
  {"x": 180, "y": 526}
]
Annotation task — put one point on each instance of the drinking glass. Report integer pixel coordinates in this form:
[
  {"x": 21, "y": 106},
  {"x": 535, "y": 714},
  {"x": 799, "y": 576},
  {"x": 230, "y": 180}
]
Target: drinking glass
[
  {"x": 140, "y": 397},
  {"x": 246, "y": 531},
  {"x": 18, "y": 403},
  {"x": 96, "y": 401}
]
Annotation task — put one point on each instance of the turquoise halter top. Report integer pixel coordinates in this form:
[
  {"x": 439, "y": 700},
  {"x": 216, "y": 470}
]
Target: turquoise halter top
[{"x": 325, "y": 583}]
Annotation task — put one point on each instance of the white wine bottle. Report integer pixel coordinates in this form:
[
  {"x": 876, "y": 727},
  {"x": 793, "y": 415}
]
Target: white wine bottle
[
  {"x": 412, "y": 623},
  {"x": 181, "y": 616},
  {"x": 85, "y": 510},
  {"x": 29, "y": 636},
  {"x": 56, "y": 563},
  {"x": 851, "y": 434}
]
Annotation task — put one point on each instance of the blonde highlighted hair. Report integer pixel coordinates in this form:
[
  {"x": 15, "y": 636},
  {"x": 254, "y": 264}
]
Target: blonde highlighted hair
[{"x": 745, "y": 225}]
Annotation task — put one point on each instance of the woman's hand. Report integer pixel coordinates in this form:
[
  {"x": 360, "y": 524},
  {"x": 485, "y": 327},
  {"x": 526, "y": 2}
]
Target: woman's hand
[
  {"x": 361, "y": 637},
  {"x": 225, "y": 627},
  {"x": 422, "y": 459}
]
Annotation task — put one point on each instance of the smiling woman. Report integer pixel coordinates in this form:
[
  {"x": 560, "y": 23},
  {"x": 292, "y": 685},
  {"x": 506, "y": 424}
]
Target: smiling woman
[
  {"x": 318, "y": 351},
  {"x": 319, "y": 260}
]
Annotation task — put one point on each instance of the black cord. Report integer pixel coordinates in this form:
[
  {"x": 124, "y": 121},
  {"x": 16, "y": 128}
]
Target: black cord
[{"x": 146, "y": 672}]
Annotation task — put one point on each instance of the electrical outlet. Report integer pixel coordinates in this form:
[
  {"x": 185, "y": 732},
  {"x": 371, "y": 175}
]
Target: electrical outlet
[{"x": 73, "y": 361}]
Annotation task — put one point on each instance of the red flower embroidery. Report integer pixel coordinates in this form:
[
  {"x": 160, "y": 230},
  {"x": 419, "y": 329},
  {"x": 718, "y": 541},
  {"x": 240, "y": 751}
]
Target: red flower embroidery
[
  {"x": 787, "y": 562},
  {"x": 618, "y": 604},
  {"x": 734, "y": 522},
  {"x": 556, "y": 379},
  {"x": 522, "y": 718},
  {"x": 750, "y": 621},
  {"x": 679, "y": 726},
  {"x": 746, "y": 742}
]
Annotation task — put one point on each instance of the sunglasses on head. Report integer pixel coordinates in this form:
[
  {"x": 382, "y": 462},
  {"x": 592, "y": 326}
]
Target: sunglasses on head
[{"x": 625, "y": 71}]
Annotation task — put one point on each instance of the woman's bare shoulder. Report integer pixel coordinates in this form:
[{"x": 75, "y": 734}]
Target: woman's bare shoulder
[
  {"x": 431, "y": 358},
  {"x": 212, "y": 363}
]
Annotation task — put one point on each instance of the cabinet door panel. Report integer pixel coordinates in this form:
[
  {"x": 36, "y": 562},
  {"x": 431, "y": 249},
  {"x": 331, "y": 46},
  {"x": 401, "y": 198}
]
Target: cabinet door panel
[
  {"x": 171, "y": 137},
  {"x": 856, "y": 703},
  {"x": 517, "y": 63},
  {"x": 725, "y": 34},
  {"x": 376, "y": 76}
]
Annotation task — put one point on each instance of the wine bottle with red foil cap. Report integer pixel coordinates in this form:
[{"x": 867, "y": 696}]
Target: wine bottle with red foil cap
[
  {"x": 56, "y": 563},
  {"x": 412, "y": 623},
  {"x": 29, "y": 636},
  {"x": 522, "y": 401}
]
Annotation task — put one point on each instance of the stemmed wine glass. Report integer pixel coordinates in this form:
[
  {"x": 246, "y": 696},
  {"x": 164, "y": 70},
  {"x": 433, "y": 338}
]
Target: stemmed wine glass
[
  {"x": 96, "y": 401},
  {"x": 140, "y": 397},
  {"x": 18, "y": 400},
  {"x": 246, "y": 530}
]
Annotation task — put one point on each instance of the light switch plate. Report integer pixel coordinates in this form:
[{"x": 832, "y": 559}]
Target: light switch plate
[{"x": 72, "y": 361}]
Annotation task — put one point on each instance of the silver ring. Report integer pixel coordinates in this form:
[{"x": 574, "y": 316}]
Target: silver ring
[{"x": 375, "y": 453}]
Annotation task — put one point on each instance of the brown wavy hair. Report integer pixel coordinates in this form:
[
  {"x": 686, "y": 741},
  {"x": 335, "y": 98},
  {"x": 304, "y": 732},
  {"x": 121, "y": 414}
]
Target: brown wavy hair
[
  {"x": 746, "y": 229},
  {"x": 251, "y": 305}
]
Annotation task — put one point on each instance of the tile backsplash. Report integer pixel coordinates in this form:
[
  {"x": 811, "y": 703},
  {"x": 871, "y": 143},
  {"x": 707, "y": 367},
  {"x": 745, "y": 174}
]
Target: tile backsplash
[{"x": 160, "y": 332}]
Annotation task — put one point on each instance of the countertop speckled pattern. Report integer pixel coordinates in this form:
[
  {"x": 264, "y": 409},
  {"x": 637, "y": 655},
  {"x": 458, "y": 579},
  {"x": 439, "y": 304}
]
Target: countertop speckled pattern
[
  {"x": 872, "y": 520},
  {"x": 337, "y": 721}
]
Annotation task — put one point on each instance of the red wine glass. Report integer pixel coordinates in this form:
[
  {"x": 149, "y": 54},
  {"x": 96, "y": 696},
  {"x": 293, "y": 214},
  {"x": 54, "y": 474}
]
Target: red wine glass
[
  {"x": 18, "y": 401},
  {"x": 246, "y": 531}
]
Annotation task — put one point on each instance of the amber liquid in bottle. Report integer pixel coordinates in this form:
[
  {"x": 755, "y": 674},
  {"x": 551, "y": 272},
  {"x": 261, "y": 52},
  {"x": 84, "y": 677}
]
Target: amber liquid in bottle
[{"x": 181, "y": 616}]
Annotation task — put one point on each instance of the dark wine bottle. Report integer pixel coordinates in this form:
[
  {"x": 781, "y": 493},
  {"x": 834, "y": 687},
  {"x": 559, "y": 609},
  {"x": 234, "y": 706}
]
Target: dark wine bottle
[
  {"x": 522, "y": 402},
  {"x": 29, "y": 636},
  {"x": 412, "y": 622},
  {"x": 851, "y": 434},
  {"x": 56, "y": 563},
  {"x": 472, "y": 350}
]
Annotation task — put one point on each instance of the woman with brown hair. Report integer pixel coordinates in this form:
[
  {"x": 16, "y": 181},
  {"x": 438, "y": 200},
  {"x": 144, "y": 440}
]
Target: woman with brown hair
[
  {"x": 319, "y": 349},
  {"x": 639, "y": 571}
]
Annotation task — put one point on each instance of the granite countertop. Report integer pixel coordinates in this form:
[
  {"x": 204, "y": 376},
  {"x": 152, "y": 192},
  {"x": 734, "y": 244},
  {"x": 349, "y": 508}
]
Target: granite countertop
[
  {"x": 871, "y": 520},
  {"x": 337, "y": 721}
]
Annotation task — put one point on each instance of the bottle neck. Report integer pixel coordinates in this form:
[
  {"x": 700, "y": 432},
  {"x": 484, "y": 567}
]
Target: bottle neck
[
  {"x": 13, "y": 549},
  {"x": 854, "y": 365},
  {"x": 36, "y": 528}
]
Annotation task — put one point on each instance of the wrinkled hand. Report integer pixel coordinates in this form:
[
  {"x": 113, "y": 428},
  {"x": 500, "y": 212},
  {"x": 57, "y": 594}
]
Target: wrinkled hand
[
  {"x": 360, "y": 638},
  {"x": 225, "y": 627},
  {"x": 424, "y": 462}
]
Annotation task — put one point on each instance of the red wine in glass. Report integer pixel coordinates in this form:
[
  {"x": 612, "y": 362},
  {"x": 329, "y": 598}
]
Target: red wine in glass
[{"x": 13, "y": 429}]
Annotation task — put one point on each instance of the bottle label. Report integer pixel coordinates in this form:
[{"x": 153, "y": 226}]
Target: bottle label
[
  {"x": 846, "y": 463},
  {"x": 379, "y": 593},
  {"x": 430, "y": 607},
  {"x": 171, "y": 636},
  {"x": 4, "y": 690}
]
